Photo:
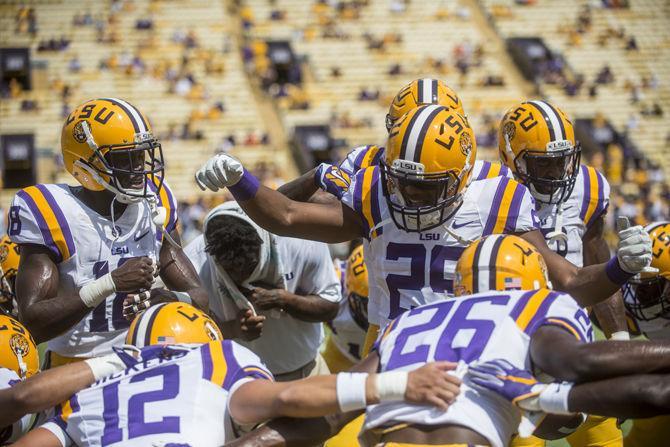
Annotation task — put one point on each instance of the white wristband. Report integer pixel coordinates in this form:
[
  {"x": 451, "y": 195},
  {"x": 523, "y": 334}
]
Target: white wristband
[
  {"x": 105, "y": 366},
  {"x": 620, "y": 335},
  {"x": 554, "y": 398},
  {"x": 391, "y": 385},
  {"x": 94, "y": 292},
  {"x": 351, "y": 391}
]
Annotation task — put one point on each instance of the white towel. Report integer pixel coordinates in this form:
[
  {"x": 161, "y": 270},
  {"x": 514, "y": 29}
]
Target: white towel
[{"x": 269, "y": 270}]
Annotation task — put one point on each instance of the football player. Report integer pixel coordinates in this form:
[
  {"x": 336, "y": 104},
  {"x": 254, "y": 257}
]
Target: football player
[
  {"x": 537, "y": 143},
  {"x": 503, "y": 309},
  {"x": 84, "y": 248},
  {"x": 336, "y": 179},
  {"x": 24, "y": 392},
  {"x": 647, "y": 300},
  {"x": 418, "y": 211},
  {"x": 199, "y": 393},
  {"x": 9, "y": 266},
  {"x": 343, "y": 347}
]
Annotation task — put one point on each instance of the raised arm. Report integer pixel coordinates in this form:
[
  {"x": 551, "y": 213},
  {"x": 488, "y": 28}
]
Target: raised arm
[
  {"x": 593, "y": 284},
  {"x": 611, "y": 313},
  {"x": 275, "y": 212}
]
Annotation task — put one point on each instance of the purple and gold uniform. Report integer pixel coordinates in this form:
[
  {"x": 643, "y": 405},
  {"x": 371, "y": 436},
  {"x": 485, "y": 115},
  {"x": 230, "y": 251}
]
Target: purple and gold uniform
[
  {"x": 85, "y": 246},
  {"x": 174, "y": 394}
]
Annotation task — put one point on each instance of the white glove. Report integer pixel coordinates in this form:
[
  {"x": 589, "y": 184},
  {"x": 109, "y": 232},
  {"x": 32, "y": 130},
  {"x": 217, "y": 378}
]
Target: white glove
[
  {"x": 220, "y": 171},
  {"x": 634, "y": 250}
]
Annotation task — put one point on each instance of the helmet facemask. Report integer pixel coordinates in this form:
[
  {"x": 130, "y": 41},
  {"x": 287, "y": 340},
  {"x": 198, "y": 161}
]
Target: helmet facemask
[
  {"x": 127, "y": 169},
  {"x": 648, "y": 298},
  {"x": 419, "y": 201},
  {"x": 550, "y": 174},
  {"x": 358, "y": 305},
  {"x": 7, "y": 295}
]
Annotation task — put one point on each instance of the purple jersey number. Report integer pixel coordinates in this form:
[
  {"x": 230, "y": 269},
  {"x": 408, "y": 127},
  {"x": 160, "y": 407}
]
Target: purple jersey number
[
  {"x": 99, "y": 321},
  {"x": 136, "y": 407},
  {"x": 414, "y": 280},
  {"x": 459, "y": 321}
]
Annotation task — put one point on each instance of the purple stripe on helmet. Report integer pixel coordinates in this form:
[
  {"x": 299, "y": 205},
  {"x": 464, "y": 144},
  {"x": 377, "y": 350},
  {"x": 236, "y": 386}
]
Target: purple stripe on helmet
[
  {"x": 484, "y": 172},
  {"x": 541, "y": 313},
  {"x": 233, "y": 369},
  {"x": 521, "y": 304},
  {"x": 586, "y": 199},
  {"x": 513, "y": 214},
  {"x": 206, "y": 356},
  {"x": 358, "y": 161},
  {"x": 497, "y": 200},
  {"x": 60, "y": 218},
  {"x": 42, "y": 224}
]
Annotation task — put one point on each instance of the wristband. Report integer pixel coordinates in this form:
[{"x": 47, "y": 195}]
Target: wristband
[
  {"x": 94, "y": 292},
  {"x": 615, "y": 273},
  {"x": 391, "y": 385},
  {"x": 554, "y": 398},
  {"x": 351, "y": 391},
  {"x": 620, "y": 335},
  {"x": 183, "y": 297},
  {"x": 105, "y": 366},
  {"x": 245, "y": 188}
]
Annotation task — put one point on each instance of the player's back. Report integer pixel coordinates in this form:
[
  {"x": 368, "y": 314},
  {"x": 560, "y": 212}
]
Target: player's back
[
  {"x": 467, "y": 329},
  {"x": 175, "y": 394}
]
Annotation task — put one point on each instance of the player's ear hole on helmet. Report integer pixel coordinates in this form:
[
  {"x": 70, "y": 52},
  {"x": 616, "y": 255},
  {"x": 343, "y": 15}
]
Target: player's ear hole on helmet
[{"x": 234, "y": 244}]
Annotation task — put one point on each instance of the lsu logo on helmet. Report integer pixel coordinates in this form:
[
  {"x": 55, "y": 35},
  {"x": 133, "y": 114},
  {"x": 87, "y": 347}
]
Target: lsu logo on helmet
[
  {"x": 647, "y": 295},
  {"x": 171, "y": 323},
  {"x": 498, "y": 263},
  {"x": 536, "y": 140},
  {"x": 422, "y": 92},
  {"x": 426, "y": 167},
  {"x": 18, "y": 351}
]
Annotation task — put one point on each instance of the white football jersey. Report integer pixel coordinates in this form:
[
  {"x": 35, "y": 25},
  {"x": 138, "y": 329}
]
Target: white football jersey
[
  {"x": 175, "y": 395},
  {"x": 587, "y": 202},
  {"x": 408, "y": 269},
  {"x": 85, "y": 247},
  {"x": 481, "y": 327},
  {"x": 12, "y": 433},
  {"x": 346, "y": 333}
]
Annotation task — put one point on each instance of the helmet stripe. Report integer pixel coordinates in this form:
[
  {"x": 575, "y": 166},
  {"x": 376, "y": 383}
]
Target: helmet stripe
[
  {"x": 560, "y": 120},
  {"x": 142, "y": 332},
  {"x": 433, "y": 94},
  {"x": 493, "y": 264},
  {"x": 416, "y": 131},
  {"x": 485, "y": 264},
  {"x": 135, "y": 117},
  {"x": 551, "y": 119},
  {"x": 419, "y": 88}
]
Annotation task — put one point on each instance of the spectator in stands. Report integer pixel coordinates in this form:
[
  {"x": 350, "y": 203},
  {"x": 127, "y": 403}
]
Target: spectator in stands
[
  {"x": 395, "y": 70},
  {"x": 605, "y": 75},
  {"x": 144, "y": 24},
  {"x": 631, "y": 44},
  {"x": 366, "y": 94},
  {"x": 74, "y": 65}
]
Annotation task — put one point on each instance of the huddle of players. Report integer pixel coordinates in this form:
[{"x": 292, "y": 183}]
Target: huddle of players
[{"x": 421, "y": 204}]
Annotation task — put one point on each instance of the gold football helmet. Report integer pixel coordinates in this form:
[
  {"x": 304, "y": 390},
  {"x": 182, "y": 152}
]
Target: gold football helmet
[
  {"x": 647, "y": 295},
  {"x": 422, "y": 92},
  {"x": 108, "y": 144},
  {"x": 426, "y": 166},
  {"x": 172, "y": 323},
  {"x": 9, "y": 267},
  {"x": 536, "y": 140},
  {"x": 357, "y": 286},
  {"x": 500, "y": 262},
  {"x": 18, "y": 351}
]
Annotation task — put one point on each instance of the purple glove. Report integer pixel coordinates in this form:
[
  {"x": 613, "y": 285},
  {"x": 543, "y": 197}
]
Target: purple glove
[
  {"x": 514, "y": 384},
  {"x": 332, "y": 179}
]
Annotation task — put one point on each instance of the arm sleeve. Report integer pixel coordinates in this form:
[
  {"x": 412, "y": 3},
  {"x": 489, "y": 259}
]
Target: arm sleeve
[
  {"x": 560, "y": 309},
  {"x": 319, "y": 276},
  {"x": 508, "y": 208},
  {"x": 27, "y": 224}
]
